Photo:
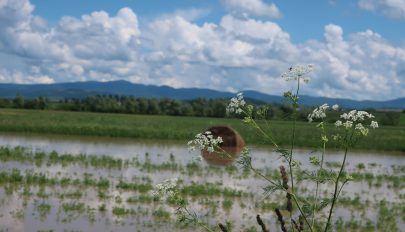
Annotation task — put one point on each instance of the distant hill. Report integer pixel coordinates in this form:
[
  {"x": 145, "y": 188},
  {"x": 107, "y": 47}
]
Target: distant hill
[{"x": 89, "y": 88}]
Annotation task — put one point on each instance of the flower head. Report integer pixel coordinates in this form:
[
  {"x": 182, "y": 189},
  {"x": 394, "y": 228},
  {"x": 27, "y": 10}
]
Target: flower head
[
  {"x": 166, "y": 188},
  {"x": 374, "y": 124},
  {"x": 356, "y": 118},
  {"x": 299, "y": 71},
  {"x": 318, "y": 113},
  {"x": 338, "y": 123},
  {"x": 236, "y": 104},
  {"x": 204, "y": 141}
]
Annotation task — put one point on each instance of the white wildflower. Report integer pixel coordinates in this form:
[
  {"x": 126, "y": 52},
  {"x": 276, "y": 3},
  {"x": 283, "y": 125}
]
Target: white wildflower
[
  {"x": 361, "y": 128},
  {"x": 299, "y": 71},
  {"x": 236, "y": 104},
  {"x": 335, "y": 107},
  {"x": 344, "y": 116},
  {"x": 374, "y": 124},
  {"x": 318, "y": 113},
  {"x": 166, "y": 188},
  {"x": 348, "y": 124},
  {"x": 356, "y": 116},
  {"x": 204, "y": 141}
]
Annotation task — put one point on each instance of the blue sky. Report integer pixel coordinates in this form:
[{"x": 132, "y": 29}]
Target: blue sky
[
  {"x": 356, "y": 46},
  {"x": 304, "y": 20}
]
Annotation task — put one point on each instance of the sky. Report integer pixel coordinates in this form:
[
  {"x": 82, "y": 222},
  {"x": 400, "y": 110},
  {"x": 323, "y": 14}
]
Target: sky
[{"x": 356, "y": 46}]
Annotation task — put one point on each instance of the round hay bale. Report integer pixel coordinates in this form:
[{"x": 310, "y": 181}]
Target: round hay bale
[{"x": 233, "y": 144}]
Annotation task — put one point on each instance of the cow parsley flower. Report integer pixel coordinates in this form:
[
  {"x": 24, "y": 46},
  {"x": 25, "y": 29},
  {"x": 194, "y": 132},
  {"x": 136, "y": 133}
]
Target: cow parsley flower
[
  {"x": 335, "y": 107},
  {"x": 338, "y": 123},
  {"x": 167, "y": 188},
  {"x": 355, "y": 115},
  {"x": 374, "y": 124},
  {"x": 361, "y": 128},
  {"x": 299, "y": 71},
  {"x": 318, "y": 113},
  {"x": 348, "y": 124},
  {"x": 204, "y": 141},
  {"x": 357, "y": 118},
  {"x": 236, "y": 104}
]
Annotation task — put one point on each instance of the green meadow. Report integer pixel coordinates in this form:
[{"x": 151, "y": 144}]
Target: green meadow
[{"x": 390, "y": 138}]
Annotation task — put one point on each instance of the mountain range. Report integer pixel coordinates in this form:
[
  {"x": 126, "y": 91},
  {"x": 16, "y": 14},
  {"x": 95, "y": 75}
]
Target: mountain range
[{"x": 89, "y": 88}]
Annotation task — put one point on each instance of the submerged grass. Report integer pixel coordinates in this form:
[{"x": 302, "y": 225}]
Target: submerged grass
[
  {"x": 175, "y": 128},
  {"x": 130, "y": 198}
]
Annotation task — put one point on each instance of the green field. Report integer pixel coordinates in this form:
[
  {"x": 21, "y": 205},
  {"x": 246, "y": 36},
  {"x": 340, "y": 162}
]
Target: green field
[
  {"x": 402, "y": 120},
  {"x": 177, "y": 128}
]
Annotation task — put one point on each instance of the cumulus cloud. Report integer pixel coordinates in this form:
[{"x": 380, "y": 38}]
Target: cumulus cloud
[
  {"x": 253, "y": 7},
  {"x": 233, "y": 54},
  {"x": 390, "y": 8},
  {"x": 69, "y": 50},
  {"x": 251, "y": 54}
]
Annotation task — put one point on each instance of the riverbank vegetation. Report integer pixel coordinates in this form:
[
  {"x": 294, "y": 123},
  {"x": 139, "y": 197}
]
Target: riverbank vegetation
[{"x": 390, "y": 138}]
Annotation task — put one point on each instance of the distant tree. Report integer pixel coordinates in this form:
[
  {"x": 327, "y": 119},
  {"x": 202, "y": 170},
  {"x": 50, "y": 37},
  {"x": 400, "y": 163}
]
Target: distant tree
[
  {"x": 18, "y": 101},
  {"x": 5, "y": 103},
  {"x": 218, "y": 108},
  {"x": 43, "y": 102},
  {"x": 153, "y": 106}
]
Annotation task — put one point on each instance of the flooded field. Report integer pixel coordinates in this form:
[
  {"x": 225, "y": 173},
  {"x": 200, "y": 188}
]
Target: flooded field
[{"x": 60, "y": 183}]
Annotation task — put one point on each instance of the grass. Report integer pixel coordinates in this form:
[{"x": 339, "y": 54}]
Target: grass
[
  {"x": 402, "y": 120},
  {"x": 178, "y": 128}
]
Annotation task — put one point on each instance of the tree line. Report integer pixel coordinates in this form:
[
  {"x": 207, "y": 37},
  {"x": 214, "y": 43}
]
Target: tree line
[{"x": 199, "y": 107}]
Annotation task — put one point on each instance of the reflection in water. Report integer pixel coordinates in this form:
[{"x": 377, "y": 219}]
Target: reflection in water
[
  {"x": 262, "y": 156},
  {"x": 165, "y": 153},
  {"x": 218, "y": 159}
]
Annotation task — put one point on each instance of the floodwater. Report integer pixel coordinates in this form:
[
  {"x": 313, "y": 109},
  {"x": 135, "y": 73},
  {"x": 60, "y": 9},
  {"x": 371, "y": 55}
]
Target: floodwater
[{"x": 20, "y": 213}]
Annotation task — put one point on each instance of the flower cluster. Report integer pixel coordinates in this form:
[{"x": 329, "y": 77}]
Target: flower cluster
[
  {"x": 204, "y": 141},
  {"x": 320, "y": 112},
  {"x": 167, "y": 188},
  {"x": 355, "y": 115},
  {"x": 355, "y": 118},
  {"x": 236, "y": 104},
  {"x": 296, "y": 72},
  {"x": 374, "y": 124}
]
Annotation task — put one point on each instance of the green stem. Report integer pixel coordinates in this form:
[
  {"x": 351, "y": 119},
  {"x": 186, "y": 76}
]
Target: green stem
[
  {"x": 295, "y": 104},
  {"x": 265, "y": 177},
  {"x": 341, "y": 187},
  {"x": 198, "y": 221},
  {"x": 255, "y": 125},
  {"x": 269, "y": 137},
  {"x": 317, "y": 181},
  {"x": 335, "y": 193},
  {"x": 302, "y": 212},
  {"x": 293, "y": 195}
]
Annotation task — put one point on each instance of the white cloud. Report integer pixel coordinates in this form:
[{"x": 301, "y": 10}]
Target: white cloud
[
  {"x": 69, "y": 50},
  {"x": 253, "y": 7},
  {"x": 361, "y": 66},
  {"x": 390, "y": 8}
]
